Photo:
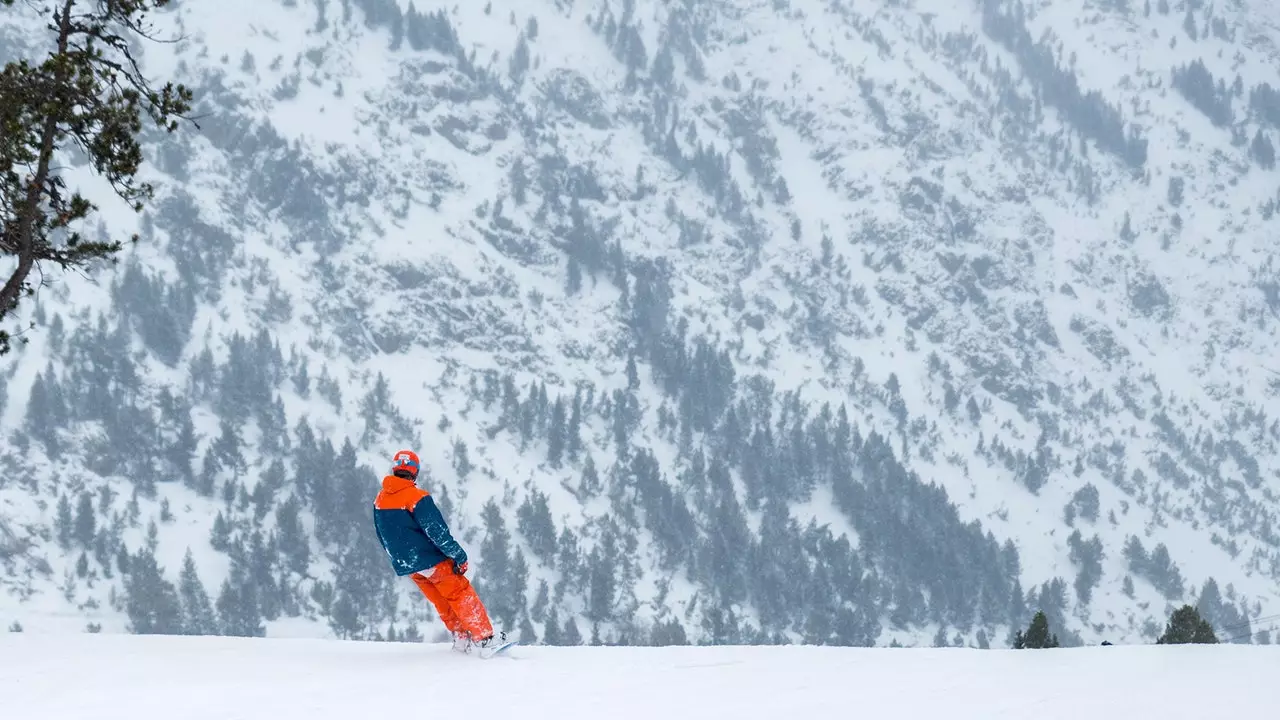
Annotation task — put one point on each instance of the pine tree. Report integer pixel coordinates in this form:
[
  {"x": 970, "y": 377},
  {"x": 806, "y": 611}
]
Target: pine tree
[
  {"x": 220, "y": 534},
  {"x": 573, "y": 283},
  {"x": 572, "y": 635},
  {"x": 151, "y": 601},
  {"x": 64, "y": 524},
  {"x": 183, "y": 450},
  {"x": 373, "y": 407},
  {"x": 345, "y": 619},
  {"x": 556, "y": 434},
  {"x": 573, "y": 440},
  {"x": 498, "y": 578},
  {"x": 602, "y": 583},
  {"x": 552, "y": 634},
  {"x": 1187, "y": 627},
  {"x": 528, "y": 634},
  {"x": 237, "y": 607},
  {"x": 227, "y": 448},
  {"x": 533, "y": 519},
  {"x": 292, "y": 539},
  {"x": 633, "y": 375},
  {"x": 197, "y": 612},
  {"x": 45, "y": 412},
  {"x": 462, "y": 459},
  {"x": 541, "y": 600},
  {"x": 86, "y": 521},
  {"x": 667, "y": 633},
  {"x": 1037, "y": 636},
  {"x": 88, "y": 94},
  {"x": 590, "y": 484}
]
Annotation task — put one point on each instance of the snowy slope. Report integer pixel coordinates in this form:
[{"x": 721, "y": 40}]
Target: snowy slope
[
  {"x": 895, "y": 209},
  {"x": 144, "y": 677}
]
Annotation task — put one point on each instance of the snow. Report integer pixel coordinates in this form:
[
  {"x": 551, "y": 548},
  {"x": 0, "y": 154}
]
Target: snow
[
  {"x": 142, "y": 677},
  {"x": 842, "y": 170}
]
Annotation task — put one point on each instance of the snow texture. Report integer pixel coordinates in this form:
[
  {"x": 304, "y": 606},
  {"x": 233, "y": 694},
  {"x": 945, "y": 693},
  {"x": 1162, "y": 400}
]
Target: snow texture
[{"x": 219, "y": 678}]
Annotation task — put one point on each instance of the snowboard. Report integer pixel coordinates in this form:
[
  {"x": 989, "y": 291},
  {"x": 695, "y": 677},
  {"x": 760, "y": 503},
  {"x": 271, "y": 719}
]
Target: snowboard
[
  {"x": 489, "y": 653},
  {"x": 486, "y": 653}
]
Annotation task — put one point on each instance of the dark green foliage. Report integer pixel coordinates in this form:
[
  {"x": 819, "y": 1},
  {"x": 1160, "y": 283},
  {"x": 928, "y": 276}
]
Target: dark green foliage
[
  {"x": 160, "y": 313},
  {"x": 1222, "y": 613},
  {"x": 519, "y": 63},
  {"x": 503, "y": 578},
  {"x": 46, "y": 410},
  {"x": 291, "y": 537},
  {"x": 666, "y": 515},
  {"x": 670, "y": 632},
  {"x": 1157, "y": 568},
  {"x": 63, "y": 523},
  {"x": 1209, "y": 95},
  {"x": 220, "y": 535},
  {"x": 254, "y": 367},
  {"x": 1037, "y": 636},
  {"x": 1088, "y": 111},
  {"x": 238, "y": 612},
  {"x": 534, "y": 521},
  {"x": 1264, "y": 100},
  {"x": 433, "y": 31},
  {"x": 1085, "y": 502},
  {"x": 601, "y": 576},
  {"x": 556, "y": 434},
  {"x": 1087, "y": 555},
  {"x": 1262, "y": 151},
  {"x": 86, "y": 524},
  {"x": 381, "y": 416},
  {"x": 177, "y": 438},
  {"x": 1185, "y": 627},
  {"x": 571, "y": 635},
  {"x": 552, "y": 634},
  {"x": 87, "y": 93},
  {"x": 1051, "y": 598},
  {"x": 197, "y": 612},
  {"x": 151, "y": 601}
]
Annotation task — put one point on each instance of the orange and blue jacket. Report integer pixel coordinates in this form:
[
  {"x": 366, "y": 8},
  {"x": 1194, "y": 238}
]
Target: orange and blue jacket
[{"x": 411, "y": 528}]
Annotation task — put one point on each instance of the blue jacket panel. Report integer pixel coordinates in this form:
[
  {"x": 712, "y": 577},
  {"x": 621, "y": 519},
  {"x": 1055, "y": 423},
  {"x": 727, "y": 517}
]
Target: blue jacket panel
[{"x": 411, "y": 528}]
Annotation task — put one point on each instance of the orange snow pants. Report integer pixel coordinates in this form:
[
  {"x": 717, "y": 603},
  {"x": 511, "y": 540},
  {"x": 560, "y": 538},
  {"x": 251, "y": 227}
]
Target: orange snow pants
[{"x": 455, "y": 600}]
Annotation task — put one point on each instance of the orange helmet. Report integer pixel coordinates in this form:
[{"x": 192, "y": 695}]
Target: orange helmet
[{"x": 405, "y": 464}]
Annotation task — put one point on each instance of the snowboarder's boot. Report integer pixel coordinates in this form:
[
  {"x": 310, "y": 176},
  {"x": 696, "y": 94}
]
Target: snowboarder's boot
[{"x": 488, "y": 646}]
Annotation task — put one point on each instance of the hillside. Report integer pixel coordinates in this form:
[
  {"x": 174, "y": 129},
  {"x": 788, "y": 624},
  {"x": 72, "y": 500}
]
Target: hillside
[
  {"x": 713, "y": 322},
  {"x": 145, "y": 677}
]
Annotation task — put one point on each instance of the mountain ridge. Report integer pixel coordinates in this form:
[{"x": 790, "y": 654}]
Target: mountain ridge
[{"x": 666, "y": 272}]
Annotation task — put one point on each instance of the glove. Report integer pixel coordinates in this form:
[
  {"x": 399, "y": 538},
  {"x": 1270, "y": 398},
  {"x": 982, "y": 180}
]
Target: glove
[{"x": 461, "y": 569}]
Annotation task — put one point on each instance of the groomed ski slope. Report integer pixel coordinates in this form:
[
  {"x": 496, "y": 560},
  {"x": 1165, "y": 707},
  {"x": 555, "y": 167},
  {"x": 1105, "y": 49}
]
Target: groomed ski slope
[{"x": 152, "y": 677}]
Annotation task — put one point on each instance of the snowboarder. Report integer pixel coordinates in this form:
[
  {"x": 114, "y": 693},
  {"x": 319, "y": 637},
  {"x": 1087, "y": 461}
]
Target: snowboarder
[{"x": 419, "y": 544}]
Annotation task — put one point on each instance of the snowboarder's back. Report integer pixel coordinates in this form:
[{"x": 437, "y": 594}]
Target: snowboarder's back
[{"x": 418, "y": 543}]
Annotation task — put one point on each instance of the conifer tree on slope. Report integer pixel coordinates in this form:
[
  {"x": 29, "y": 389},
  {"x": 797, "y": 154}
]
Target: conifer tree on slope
[
  {"x": 1187, "y": 627},
  {"x": 89, "y": 93},
  {"x": 1037, "y": 636}
]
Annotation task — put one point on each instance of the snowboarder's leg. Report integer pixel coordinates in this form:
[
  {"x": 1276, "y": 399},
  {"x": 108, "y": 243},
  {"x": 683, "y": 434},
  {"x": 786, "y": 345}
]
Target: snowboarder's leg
[
  {"x": 443, "y": 608},
  {"x": 457, "y": 591}
]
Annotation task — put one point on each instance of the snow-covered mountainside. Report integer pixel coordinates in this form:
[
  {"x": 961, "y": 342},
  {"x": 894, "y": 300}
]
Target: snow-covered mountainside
[
  {"x": 148, "y": 678},
  {"x": 784, "y": 321}
]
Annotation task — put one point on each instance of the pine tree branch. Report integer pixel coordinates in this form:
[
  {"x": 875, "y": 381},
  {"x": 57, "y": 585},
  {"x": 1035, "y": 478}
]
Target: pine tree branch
[{"x": 88, "y": 94}]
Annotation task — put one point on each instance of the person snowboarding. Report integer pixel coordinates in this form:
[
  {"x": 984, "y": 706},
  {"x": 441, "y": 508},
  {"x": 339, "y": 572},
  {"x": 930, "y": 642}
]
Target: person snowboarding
[{"x": 418, "y": 543}]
